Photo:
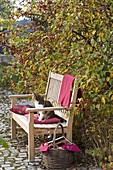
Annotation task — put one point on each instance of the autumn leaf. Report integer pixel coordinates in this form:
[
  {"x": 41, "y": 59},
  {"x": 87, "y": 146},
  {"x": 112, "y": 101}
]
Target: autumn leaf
[{"x": 103, "y": 100}]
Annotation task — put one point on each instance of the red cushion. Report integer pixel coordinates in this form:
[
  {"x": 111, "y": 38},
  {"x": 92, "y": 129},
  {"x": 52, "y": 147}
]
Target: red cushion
[
  {"x": 20, "y": 109},
  {"x": 47, "y": 121}
]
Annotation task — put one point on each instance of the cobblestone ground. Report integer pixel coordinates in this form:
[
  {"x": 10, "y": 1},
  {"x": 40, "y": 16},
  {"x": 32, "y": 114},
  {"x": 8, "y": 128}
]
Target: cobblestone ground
[{"x": 16, "y": 156}]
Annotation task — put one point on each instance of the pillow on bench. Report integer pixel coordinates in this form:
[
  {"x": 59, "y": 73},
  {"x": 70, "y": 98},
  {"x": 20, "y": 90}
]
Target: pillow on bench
[
  {"x": 47, "y": 121},
  {"x": 20, "y": 109}
]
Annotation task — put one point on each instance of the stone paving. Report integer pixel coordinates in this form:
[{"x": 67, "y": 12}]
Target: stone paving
[{"x": 16, "y": 157}]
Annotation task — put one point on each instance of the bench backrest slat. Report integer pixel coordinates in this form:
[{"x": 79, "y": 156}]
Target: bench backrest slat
[{"x": 53, "y": 87}]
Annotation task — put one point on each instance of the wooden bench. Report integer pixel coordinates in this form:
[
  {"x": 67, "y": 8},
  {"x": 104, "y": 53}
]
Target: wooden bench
[{"x": 51, "y": 94}]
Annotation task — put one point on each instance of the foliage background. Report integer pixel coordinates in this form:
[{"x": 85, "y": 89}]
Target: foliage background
[{"x": 74, "y": 37}]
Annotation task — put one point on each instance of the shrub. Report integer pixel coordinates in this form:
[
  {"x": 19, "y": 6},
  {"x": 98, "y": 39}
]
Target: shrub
[{"x": 70, "y": 37}]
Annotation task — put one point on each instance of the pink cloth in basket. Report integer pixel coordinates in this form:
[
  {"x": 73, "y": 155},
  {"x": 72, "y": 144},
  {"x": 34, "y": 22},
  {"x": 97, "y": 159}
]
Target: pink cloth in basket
[
  {"x": 71, "y": 147},
  {"x": 66, "y": 90},
  {"x": 44, "y": 147}
]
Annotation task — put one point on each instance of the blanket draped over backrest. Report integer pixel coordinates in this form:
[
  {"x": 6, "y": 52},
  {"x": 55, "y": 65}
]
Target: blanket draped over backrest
[{"x": 66, "y": 90}]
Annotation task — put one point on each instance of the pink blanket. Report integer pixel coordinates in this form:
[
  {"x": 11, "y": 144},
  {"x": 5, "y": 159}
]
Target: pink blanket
[
  {"x": 66, "y": 90},
  {"x": 44, "y": 147}
]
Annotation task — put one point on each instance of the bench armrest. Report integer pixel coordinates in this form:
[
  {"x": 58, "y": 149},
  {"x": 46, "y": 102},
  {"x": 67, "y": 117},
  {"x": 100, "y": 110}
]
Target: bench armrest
[
  {"x": 48, "y": 109},
  {"x": 23, "y": 95},
  {"x": 20, "y": 96}
]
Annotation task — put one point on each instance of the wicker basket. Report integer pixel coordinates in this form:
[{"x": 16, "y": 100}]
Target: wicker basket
[{"x": 58, "y": 158}]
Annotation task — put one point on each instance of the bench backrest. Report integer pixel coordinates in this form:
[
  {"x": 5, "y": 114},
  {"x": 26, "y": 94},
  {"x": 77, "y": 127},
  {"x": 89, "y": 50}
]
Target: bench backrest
[{"x": 53, "y": 91}]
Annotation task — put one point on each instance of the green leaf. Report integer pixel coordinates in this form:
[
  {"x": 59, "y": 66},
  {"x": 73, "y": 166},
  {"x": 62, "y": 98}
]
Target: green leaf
[{"x": 3, "y": 142}]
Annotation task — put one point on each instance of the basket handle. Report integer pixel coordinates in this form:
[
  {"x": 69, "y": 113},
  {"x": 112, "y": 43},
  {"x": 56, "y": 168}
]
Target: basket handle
[{"x": 54, "y": 136}]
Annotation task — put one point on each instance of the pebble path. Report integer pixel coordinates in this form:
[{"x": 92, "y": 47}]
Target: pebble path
[{"x": 16, "y": 157}]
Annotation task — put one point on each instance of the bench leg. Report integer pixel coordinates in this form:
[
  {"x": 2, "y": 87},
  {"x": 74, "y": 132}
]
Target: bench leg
[
  {"x": 69, "y": 136},
  {"x": 13, "y": 129},
  {"x": 31, "y": 147},
  {"x": 31, "y": 137},
  {"x": 69, "y": 133}
]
